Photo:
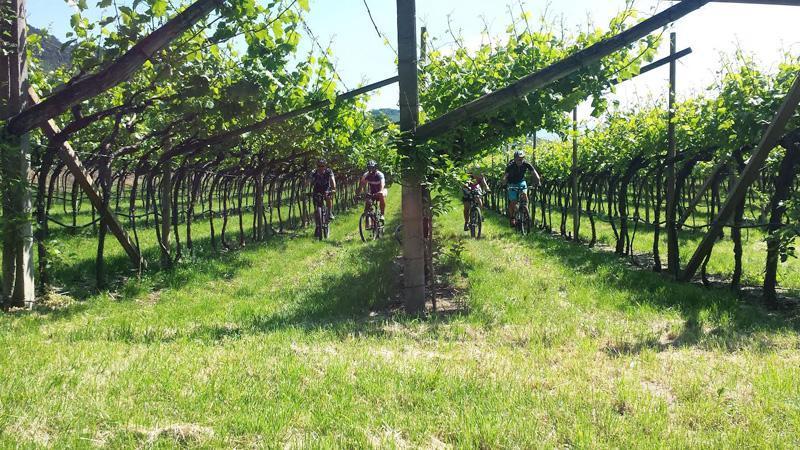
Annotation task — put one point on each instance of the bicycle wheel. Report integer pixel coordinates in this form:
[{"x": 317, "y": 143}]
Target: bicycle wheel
[
  {"x": 321, "y": 233},
  {"x": 475, "y": 223},
  {"x": 398, "y": 234},
  {"x": 362, "y": 226},
  {"x": 524, "y": 220}
]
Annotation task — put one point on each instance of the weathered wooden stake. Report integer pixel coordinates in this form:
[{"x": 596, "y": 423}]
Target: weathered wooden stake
[
  {"x": 576, "y": 197},
  {"x": 673, "y": 251},
  {"x": 18, "y": 283}
]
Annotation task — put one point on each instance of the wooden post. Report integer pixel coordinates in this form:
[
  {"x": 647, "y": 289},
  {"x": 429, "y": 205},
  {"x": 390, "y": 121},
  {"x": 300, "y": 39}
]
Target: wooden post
[
  {"x": 576, "y": 197},
  {"x": 413, "y": 239},
  {"x": 18, "y": 283},
  {"x": 673, "y": 256},
  {"x": 749, "y": 175},
  {"x": 166, "y": 215}
]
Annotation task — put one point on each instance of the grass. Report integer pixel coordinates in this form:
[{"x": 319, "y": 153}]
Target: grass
[{"x": 287, "y": 344}]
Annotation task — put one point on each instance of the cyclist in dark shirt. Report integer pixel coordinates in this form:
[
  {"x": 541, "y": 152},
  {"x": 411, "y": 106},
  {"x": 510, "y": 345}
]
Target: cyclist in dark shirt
[
  {"x": 515, "y": 178},
  {"x": 323, "y": 182}
]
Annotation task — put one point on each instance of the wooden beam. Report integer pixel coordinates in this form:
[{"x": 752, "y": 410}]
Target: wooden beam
[
  {"x": 749, "y": 175},
  {"x": 113, "y": 74},
  {"x": 75, "y": 166},
  {"x": 657, "y": 64},
  {"x": 516, "y": 91}
]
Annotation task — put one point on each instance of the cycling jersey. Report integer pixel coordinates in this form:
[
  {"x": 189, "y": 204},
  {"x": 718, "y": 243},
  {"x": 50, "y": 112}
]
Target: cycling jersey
[
  {"x": 321, "y": 182},
  {"x": 516, "y": 173},
  {"x": 374, "y": 180}
]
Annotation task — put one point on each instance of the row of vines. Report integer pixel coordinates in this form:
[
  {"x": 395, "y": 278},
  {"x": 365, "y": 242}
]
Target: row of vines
[
  {"x": 197, "y": 134},
  {"x": 622, "y": 175}
]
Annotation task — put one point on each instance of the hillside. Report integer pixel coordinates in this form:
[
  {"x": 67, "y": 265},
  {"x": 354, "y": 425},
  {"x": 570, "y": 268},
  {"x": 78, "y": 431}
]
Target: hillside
[
  {"x": 390, "y": 114},
  {"x": 53, "y": 53}
]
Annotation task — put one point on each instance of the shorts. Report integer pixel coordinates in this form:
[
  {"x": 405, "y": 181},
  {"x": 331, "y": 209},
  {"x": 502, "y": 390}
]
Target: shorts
[
  {"x": 384, "y": 192},
  {"x": 513, "y": 194}
]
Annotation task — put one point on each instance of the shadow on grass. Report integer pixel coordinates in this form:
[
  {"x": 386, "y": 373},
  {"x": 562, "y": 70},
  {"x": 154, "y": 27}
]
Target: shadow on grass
[
  {"x": 202, "y": 263},
  {"x": 712, "y": 316},
  {"x": 358, "y": 297}
]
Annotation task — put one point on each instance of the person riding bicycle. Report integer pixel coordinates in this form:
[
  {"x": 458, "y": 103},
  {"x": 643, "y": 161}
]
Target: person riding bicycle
[
  {"x": 476, "y": 183},
  {"x": 377, "y": 185},
  {"x": 324, "y": 183},
  {"x": 514, "y": 179}
]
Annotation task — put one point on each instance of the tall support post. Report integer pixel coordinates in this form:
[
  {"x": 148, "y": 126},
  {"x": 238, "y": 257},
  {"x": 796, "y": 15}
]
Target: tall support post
[
  {"x": 427, "y": 201},
  {"x": 747, "y": 178},
  {"x": 413, "y": 236},
  {"x": 673, "y": 256},
  {"x": 18, "y": 284},
  {"x": 576, "y": 196},
  {"x": 166, "y": 215}
]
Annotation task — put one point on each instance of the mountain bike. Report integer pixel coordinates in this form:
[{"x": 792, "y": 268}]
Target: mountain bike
[
  {"x": 371, "y": 223},
  {"x": 523, "y": 216},
  {"x": 475, "y": 214},
  {"x": 321, "y": 215}
]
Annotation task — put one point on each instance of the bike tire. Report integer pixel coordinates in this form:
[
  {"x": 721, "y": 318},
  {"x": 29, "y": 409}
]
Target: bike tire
[
  {"x": 476, "y": 223},
  {"x": 524, "y": 221},
  {"x": 398, "y": 234},
  {"x": 321, "y": 232},
  {"x": 362, "y": 227}
]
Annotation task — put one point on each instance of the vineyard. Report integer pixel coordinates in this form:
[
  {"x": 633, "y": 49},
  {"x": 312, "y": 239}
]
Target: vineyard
[{"x": 163, "y": 285}]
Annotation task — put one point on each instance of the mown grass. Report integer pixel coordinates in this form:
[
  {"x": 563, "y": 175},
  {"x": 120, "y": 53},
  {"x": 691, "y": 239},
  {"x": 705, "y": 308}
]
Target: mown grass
[{"x": 289, "y": 344}]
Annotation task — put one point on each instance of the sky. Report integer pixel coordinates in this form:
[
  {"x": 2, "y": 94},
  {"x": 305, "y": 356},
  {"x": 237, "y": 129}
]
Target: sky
[{"x": 362, "y": 56}]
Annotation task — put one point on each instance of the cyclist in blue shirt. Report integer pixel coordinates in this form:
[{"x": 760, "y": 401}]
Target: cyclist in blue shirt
[{"x": 515, "y": 178}]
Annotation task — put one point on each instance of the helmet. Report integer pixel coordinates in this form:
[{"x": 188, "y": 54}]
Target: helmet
[
  {"x": 322, "y": 162},
  {"x": 372, "y": 164},
  {"x": 519, "y": 154}
]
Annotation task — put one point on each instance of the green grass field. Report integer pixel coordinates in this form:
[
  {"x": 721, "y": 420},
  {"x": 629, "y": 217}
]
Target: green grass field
[{"x": 289, "y": 344}]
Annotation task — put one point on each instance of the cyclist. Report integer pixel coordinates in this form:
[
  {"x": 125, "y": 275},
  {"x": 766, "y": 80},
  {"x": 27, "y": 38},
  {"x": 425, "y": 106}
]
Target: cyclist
[
  {"x": 475, "y": 183},
  {"x": 515, "y": 178},
  {"x": 377, "y": 185},
  {"x": 324, "y": 183}
]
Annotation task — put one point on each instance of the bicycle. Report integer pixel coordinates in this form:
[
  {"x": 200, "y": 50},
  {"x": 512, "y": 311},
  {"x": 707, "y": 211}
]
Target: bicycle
[
  {"x": 523, "y": 216},
  {"x": 371, "y": 223},
  {"x": 321, "y": 215},
  {"x": 475, "y": 214}
]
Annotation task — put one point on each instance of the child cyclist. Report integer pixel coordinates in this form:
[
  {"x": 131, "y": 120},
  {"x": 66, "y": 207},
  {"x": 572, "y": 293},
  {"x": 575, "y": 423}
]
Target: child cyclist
[{"x": 477, "y": 184}]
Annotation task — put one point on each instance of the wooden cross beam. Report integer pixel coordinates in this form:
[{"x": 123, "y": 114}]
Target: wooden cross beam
[
  {"x": 657, "y": 64},
  {"x": 749, "y": 175},
  {"x": 537, "y": 80},
  {"x": 73, "y": 163}
]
